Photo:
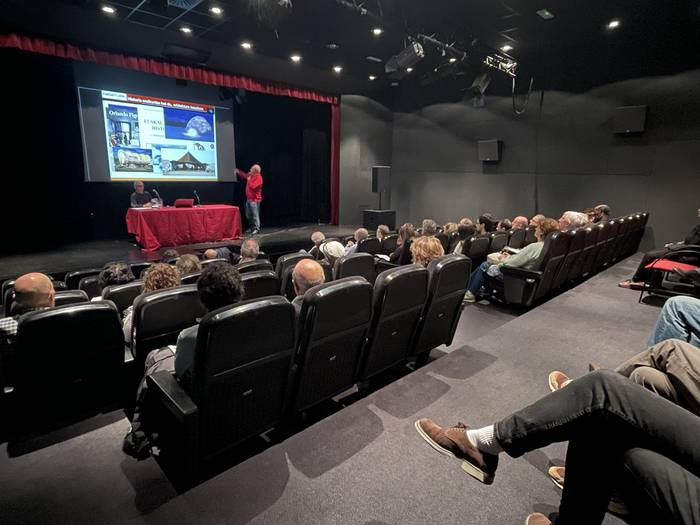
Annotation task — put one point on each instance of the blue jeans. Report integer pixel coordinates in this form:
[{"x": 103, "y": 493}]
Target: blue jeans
[
  {"x": 679, "y": 319},
  {"x": 479, "y": 277},
  {"x": 252, "y": 213}
]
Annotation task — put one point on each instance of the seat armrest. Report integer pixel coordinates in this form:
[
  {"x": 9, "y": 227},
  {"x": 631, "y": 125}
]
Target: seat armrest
[
  {"x": 522, "y": 273},
  {"x": 164, "y": 387},
  {"x": 382, "y": 265}
]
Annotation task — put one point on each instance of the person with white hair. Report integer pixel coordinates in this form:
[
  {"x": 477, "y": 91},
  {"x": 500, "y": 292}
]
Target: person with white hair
[
  {"x": 253, "y": 196},
  {"x": 306, "y": 274},
  {"x": 428, "y": 228},
  {"x": 317, "y": 238},
  {"x": 571, "y": 220},
  {"x": 332, "y": 251},
  {"x": 360, "y": 235}
]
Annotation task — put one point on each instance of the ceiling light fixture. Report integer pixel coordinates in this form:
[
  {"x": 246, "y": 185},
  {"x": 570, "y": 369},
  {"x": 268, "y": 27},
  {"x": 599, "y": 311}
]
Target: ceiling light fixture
[
  {"x": 545, "y": 14},
  {"x": 186, "y": 30},
  {"x": 247, "y": 46},
  {"x": 216, "y": 10},
  {"x": 409, "y": 57},
  {"x": 337, "y": 69},
  {"x": 295, "y": 58},
  {"x": 377, "y": 31},
  {"x": 453, "y": 60},
  {"x": 613, "y": 24},
  {"x": 506, "y": 48},
  {"x": 108, "y": 9},
  {"x": 409, "y": 69},
  {"x": 372, "y": 77}
]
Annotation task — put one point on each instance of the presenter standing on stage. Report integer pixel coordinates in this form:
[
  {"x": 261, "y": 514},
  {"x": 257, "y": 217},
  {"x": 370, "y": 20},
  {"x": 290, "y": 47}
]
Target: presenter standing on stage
[{"x": 253, "y": 196}]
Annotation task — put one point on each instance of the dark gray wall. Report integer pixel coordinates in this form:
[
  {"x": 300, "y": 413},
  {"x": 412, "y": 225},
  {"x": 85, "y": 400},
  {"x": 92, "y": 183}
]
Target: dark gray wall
[
  {"x": 366, "y": 141},
  {"x": 565, "y": 158}
]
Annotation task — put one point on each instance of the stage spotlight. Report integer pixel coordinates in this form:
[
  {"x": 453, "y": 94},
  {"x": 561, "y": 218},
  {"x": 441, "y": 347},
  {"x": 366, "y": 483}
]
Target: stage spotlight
[
  {"x": 247, "y": 46},
  {"x": 377, "y": 31},
  {"x": 453, "y": 60},
  {"x": 108, "y": 9},
  {"x": 478, "y": 89},
  {"x": 216, "y": 10},
  {"x": 186, "y": 30},
  {"x": 295, "y": 58},
  {"x": 409, "y": 57},
  {"x": 337, "y": 69},
  {"x": 409, "y": 70},
  {"x": 372, "y": 77},
  {"x": 506, "y": 48},
  {"x": 613, "y": 24},
  {"x": 269, "y": 13}
]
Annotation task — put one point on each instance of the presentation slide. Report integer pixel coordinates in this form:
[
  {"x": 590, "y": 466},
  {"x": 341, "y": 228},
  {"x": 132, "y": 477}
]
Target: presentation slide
[{"x": 152, "y": 138}]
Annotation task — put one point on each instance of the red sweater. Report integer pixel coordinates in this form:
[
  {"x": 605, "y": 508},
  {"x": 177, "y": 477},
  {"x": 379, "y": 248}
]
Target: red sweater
[{"x": 254, "y": 184}]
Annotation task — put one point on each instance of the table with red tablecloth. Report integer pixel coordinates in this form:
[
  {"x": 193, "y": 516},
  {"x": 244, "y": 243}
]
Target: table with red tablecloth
[{"x": 157, "y": 227}]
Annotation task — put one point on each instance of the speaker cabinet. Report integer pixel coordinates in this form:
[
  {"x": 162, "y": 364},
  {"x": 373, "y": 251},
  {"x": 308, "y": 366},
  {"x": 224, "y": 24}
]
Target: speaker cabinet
[
  {"x": 489, "y": 151},
  {"x": 381, "y": 178},
  {"x": 373, "y": 218},
  {"x": 630, "y": 119}
]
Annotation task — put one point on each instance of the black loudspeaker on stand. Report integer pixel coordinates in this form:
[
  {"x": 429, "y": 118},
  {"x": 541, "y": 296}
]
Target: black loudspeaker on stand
[{"x": 381, "y": 184}]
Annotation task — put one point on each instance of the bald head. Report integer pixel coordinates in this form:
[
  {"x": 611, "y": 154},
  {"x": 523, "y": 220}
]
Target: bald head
[
  {"x": 210, "y": 254},
  {"x": 520, "y": 222},
  {"x": 307, "y": 274},
  {"x": 33, "y": 290}
]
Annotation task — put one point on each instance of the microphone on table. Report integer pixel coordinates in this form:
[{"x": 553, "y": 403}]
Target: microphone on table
[
  {"x": 199, "y": 203},
  {"x": 158, "y": 195}
]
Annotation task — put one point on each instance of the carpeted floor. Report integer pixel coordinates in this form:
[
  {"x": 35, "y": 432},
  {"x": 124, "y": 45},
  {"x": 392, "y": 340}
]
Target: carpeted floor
[{"x": 364, "y": 464}]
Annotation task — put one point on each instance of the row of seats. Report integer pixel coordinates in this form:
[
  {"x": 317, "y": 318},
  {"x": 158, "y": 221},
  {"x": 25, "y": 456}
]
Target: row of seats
[
  {"x": 569, "y": 256},
  {"x": 348, "y": 332}
]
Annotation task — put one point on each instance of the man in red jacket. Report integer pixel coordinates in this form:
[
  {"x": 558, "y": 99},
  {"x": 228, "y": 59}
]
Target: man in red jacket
[{"x": 253, "y": 196}]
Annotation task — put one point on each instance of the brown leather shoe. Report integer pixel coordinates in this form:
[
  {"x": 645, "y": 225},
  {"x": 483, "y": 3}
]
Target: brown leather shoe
[
  {"x": 557, "y": 380},
  {"x": 453, "y": 442},
  {"x": 537, "y": 519},
  {"x": 557, "y": 476}
]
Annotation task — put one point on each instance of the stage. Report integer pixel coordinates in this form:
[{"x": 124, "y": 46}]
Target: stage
[{"x": 93, "y": 254}]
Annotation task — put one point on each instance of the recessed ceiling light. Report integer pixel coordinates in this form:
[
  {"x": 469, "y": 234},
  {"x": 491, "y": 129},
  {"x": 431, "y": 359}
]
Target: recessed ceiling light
[
  {"x": 246, "y": 45},
  {"x": 374, "y": 59},
  {"x": 372, "y": 77},
  {"x": 332, "y": 46},
  {"x": 337, "y": 69},
  {"x": 295, "y": 58},
  {"x": 108, "y": 9},
  {"x": 377, "y": 31},
  {"x": 506, "y": 48},
  {"x": 394, "y": 84},
  {"x": 613, "y": 24},
  {"x": 409, "y": 69},
  {"x": 453, "y": 60},
  {"x": 186, "y": 30},
  {"x": 545, "y": 14},
  {"x": 216, "y": 10}
]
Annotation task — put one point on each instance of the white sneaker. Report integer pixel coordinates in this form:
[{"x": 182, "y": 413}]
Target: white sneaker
[{"x": 469, "y": 297}]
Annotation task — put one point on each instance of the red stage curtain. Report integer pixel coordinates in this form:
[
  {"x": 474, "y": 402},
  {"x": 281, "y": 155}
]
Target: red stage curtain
[{"x": 195, "y": 74}]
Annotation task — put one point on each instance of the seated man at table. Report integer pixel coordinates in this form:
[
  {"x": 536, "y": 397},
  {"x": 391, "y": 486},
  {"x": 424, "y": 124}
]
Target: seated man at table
[{"x": 140, "y": 198}]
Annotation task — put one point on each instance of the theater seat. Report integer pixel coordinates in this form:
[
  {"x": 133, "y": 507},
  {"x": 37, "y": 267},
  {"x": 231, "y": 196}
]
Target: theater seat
[
  {"x": 444, "y": 240},
  {"x": 72, "y": 279},
  {"x": 160, "y": 316},
  {"x": 123, "y": 295},
  {"x": 260, "y": 284},
  {"x": 209, "y": 261},
  {"x": 389, "y": 244},
  {"x": 65, "y": 297},
  {"x": 516, "y": 237},
  {"x": 190, "y": 278},
  {"x": 590, "y": 249},
  {"x": 238, "y": 388},
  {"x": 287, "y": 261},
  {"x": 286, "y": 285},
  {"x": 68, "y": 357},
  {"x": 361, "y": 264},
  {"x": 498, "y": 241},
  {"x": 529, "y": 236},
  {"x": 447, "y": 283},
  {"x": 327, "y": 271},
  {"x": 333, "y": 325},
  {"x": 138, "y": 268},
  {"x": 477, "y": 248},
  {"x": 577, "y": 239},
  {"x": 370, "y": 245},
  {"x": 90, "y": 286},
  {"x": 254, "y": 266},
  {"x": 398, "y": 300}
]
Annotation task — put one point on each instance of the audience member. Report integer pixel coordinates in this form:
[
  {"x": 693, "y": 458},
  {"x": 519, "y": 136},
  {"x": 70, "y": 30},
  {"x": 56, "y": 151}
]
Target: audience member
[
  {"x": 249, "y": 250},
  {"x": 219, "y": 285},
  {"x": 158, "y": 277},
  {"x": 382, "y": 231},
  {"x": 306, "y": 274},
  {"x": 332, "y": 251},
  {"x": 113, "y": 274},
  {"x": 643, "y": 275},
  {"x": 360, "y": 234},
  {"x": 426, "y": 249},
  {"x": 169, "y": 255},
  {"x": 465, "y": 221},
  {"x": 486, "y": 223},
  {"x": 464, "y": 232},
  {"x": 590, "y": 215},
  {"x": 520, "y": 222},
  {"x": 679, "y": 319},
  {"x": 221, "y": 253},
  {"x": 407, "y": 231},
  {"x": 449, "y": 228},
  {"x": 504, "y": 225},
  {"x": 188, "y": 264},
  {"x": 536, "y": 219},
  {"x": 645, "y": 446},
  {"x": 601, "y": 213},
  {"x": 317, "y": 238},
  {"x": 33, "y": 291},
  {"x": 571, "y": 220},
  {"x": 528, "y": 258},
  {"x": 428, "y": 228}
]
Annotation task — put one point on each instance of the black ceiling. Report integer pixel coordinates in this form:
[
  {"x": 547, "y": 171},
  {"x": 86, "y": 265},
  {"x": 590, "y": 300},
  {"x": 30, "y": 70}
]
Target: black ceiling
[{"x": 573, "y": 51}]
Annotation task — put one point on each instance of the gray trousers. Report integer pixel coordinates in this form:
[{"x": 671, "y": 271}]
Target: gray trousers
[{"x": 671, "y": 369}]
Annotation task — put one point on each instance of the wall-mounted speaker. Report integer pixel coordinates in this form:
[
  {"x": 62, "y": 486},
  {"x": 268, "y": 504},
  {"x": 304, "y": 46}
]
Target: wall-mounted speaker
[
  {"x": 381, "y": 178},
  {"x": 489, "y": 150},
  {"x": 630, "y": 119}
]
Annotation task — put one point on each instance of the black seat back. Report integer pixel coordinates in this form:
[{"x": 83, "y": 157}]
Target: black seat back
[
  {"x": 260, "y": 284},
  {"x": 286, "y": 284},
  {"x": 289, "y": 261},
  {"x": 399, "y": 297},
  {"x": 90, "y": 285},
  {"x": 447, "y": 283},
  {"x": 516, "y": 237},
  {"x": 210, "y": 261},
  {"x": 254, "y": 266},
  {"x": 123, "y": 295},
  {"x": 333, "y": 324},
  {"x": 556, "y": 245},
  {"x": 67, "y": 351},
  {"x": 370, "y": 245},
  {"x": 573, "y": 255},
  {"x": 65, "y": 297},
  {"x": 477, "y": 248},
  {"x": 444, "y": 240},
  {"x": 591, "y": 248},
  {"x": 138, "y": 268},
  {"x": 498, "y": 241},
  {"x": 361, "y": 264},
  {"x": 160, "y": 316},
  {"x": 72, "y": 279},
  {"x": 529, "y": 236},
  {"x": 190, "y": 278},
  {"x": 389, "y": 244},
  {"x": 327, "y": 271},
  {"x": 618, "y": 248},
  {"x": 604, "y": 240},
  {"x": 241, "y": 371},
  {"x": 406, "y": 255}
]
